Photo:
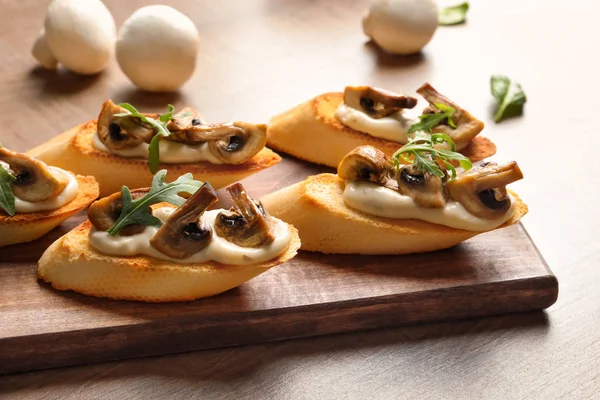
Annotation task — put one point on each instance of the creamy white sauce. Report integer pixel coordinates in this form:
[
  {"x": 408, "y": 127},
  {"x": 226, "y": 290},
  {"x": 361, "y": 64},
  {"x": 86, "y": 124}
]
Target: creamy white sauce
[
  {"x": 394, "y": 127},
  {"x": 170, "y": 152},
  {"x": 219, "y": 249},
  {"x": 63, "y": 198},
  {"x": 385, "y": 202}
]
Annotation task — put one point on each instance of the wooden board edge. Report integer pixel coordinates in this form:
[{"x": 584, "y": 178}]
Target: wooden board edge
[{"x": 175, "y": 335}]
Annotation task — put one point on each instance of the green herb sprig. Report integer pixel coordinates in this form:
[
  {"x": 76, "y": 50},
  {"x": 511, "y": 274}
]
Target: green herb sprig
[
  {"x": 429, "y": 121},
  {"x": 139, "y": 212},
  {"x": 421, "y": 151},
  {"x": 510, "y": 96},
  {"x": 160, "y": 126},
  {"x": 453, "y": 15},
  {"x": 7, "y": 198}
]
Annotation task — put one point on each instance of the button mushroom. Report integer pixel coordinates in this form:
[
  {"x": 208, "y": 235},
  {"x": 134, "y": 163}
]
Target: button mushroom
[
  {"x": 238, "y": 148},
  {"x": 375, "y": 102},
  {"x": 104, "y": 213},
  {"x": 365, "y": 163},
  {"x": 482, "y": 191},
  {"x": 121, "y": 132},
  {"x": 184, "y": 233},
  {"x": 246, "y": 224},
  {"x": 34, "y": 181},
  {"x": 467, "y": 126},
  {"x": 427, "y": 190}
]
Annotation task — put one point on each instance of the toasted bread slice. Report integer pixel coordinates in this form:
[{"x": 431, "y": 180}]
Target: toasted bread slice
[
  {"x": 26, "y": 227},
  {"x": 311, "y": 132},
  {"x": 316, "y": 208},
  {"x": 73, "y": 150},
  {"x": 71, "y": 263}
]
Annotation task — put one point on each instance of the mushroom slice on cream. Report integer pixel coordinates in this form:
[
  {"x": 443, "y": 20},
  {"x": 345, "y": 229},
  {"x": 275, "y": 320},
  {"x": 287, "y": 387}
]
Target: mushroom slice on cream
[
  {"x": 184, "y": 233},
  {"x": 427, "y": 190},
  {"x": 246, "y": 224},
  {"x": 121, "y": 132},
  {"x": 248, "y": 140},
  {"x": 365, "y": 163},
  {"x": 467, "y": 126},
  {"x": 482, "y": 191},
  {"x": 104, "y": 213},
  {"x": 375, "y": 102},
  {"x": 34, "y": 181},
  {"x": 183, "y": 121}
]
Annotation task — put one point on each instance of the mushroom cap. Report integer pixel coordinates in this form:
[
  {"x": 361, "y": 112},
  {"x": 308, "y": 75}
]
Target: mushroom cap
[
  {"x": 157, "y": 48},
  {"x": 401, "y": 26},
  {"x": 81, "y": 34}
]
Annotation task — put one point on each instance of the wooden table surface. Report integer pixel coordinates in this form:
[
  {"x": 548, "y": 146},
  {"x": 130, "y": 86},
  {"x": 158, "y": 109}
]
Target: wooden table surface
[{"x": 259, "y": 58}]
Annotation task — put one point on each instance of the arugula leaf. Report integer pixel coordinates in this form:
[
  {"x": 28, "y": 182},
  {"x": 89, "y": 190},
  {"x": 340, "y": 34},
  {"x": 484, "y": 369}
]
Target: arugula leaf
[
  {"x": 429, "y": 121},
  {"x": 510, "y": 96},
  {"x": 7, "y": 198},
  {"x": 160, "y": 126},
  {"x": 139, "y": 212},
  {"x": 421, "y": 151},
  {"x": 453, "y": 15}
]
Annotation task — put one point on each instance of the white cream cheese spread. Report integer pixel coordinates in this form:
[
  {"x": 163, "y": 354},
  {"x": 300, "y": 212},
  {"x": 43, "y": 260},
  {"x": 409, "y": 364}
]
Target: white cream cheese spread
[
  {"x": 219, "y": 249},
  {"x": 63, "y": 198},
  {"x": 170, "y": 152},
  {"x": 385, "y": 202}
]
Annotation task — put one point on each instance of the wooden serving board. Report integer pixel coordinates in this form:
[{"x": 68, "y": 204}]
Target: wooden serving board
[{"x": 314, "y": 294}]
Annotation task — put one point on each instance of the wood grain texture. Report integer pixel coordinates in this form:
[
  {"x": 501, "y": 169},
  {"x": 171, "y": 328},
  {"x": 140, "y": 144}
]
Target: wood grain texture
[
  {"x": 313, "y": 294},
  {"x": 261, "y": 57}
]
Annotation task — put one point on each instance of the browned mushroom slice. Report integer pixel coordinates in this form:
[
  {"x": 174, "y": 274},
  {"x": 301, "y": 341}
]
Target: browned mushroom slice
[
  {"x": 375, "y": 102},
  {"x": 203, "y": 133},
  {"x": 467, "y": 126},
  {"x": 248, "y": 140},
  {"x": 427, "y": 190},
  {"x": 122, "y": 132},
  {"x": 34, "y": 182},
  {"x": 246, "y": 224},
  {"x": 183, "y": 233},
  {"x": 482, "y": 191},
  {"x": 104, "y": 213},
  {"x": 183, "y": 126},
  {"x": 365, "y": 163}
]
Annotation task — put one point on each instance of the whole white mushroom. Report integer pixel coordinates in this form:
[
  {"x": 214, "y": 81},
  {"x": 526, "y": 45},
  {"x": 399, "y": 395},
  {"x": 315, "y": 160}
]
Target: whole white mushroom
[
  {"x": 80, "y": 34},
  {"x": 401, "y": 26},
  {"x": 157, "y": 48}
]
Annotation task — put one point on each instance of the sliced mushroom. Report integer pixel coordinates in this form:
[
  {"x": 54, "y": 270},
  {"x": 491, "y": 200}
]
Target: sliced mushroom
[
  {"x": 375, "y": 102},
  {"x": 104, "y": 213},
  {"x": 122, "y": 132},
  {"x": 427, "y": 190},
  {"x": 248, "y": 140},
  {"x": 246, "y": 224},
  {"x": 184, "y": 233},
  {"x": 203, "y": 133},
  {"x": 365, "y": 163},
  {"x": 34, "y": 182},
  {"x": 467, "y": 126},
  {"x": 184, "y": 126},
  {"x": 482, "y": 191}
]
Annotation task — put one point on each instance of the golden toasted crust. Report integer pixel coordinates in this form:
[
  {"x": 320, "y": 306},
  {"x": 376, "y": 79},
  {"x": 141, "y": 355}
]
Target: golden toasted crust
[
  {"x": 73, "y": 150},
  {"x": 311, "y": 132},
  {"x": 26, "y": 227},
  {"x": 71, "y": 263},
  {"x": 316, "y": 208}
]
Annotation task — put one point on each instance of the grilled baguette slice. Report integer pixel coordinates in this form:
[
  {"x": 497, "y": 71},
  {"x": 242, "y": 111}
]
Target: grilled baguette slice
[
  {"x": 71, "y": 263},
  {"x": 26, "y": 227},
  {"x": 316, "y": 208},
  {"x": 73, "y": 150},
  {"x": 311, "y": 132}
]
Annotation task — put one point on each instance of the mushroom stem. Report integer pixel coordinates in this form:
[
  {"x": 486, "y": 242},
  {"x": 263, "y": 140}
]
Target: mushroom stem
[
  {"x": 375, "y": 102},
  {"x": 42, "y": 53},
  {"x": 246, "y": 224},
  {"x": 183, "y": 233},
  {"x": 34, "y": 182}
]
